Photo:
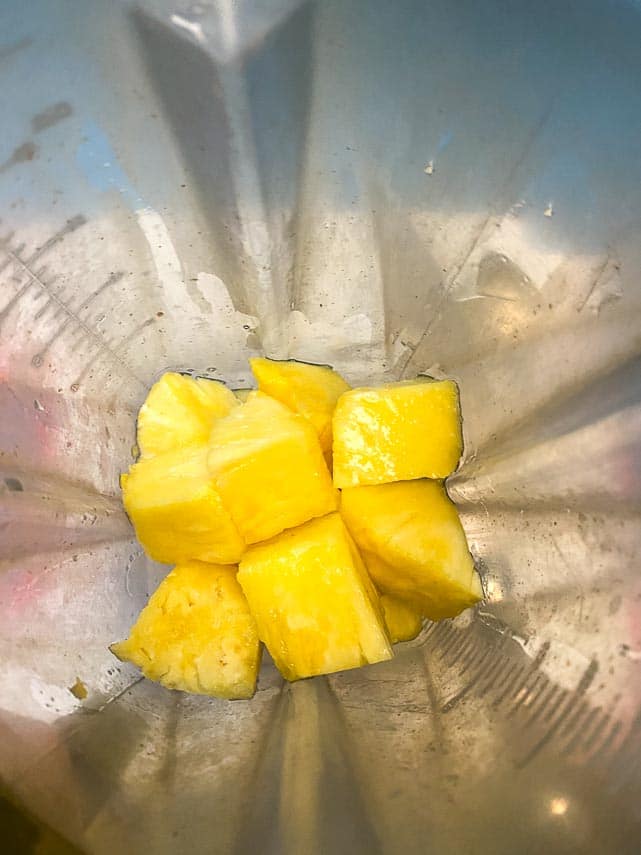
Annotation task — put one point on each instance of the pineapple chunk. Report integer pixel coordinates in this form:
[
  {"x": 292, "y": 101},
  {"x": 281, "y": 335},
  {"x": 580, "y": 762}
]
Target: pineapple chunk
[
  {"x": 179, "y": 411},
  {"x": 242, "y": 394},
  {"x": 315, "y": 607},
  {"x": 397, "y": 432},
  {"x": 268, "y": 468},
  {"x": 196, "y": 634},
  {"x": 403, "y": 622},
  {"x": 414, "y": 545},
  {"x": 311, "y": 390},
  {"x": 176, "y": 510}
]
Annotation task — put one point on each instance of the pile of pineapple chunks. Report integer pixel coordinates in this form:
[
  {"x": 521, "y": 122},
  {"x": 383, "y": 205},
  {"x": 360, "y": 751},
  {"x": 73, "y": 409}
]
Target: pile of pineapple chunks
[{"x": 305, "y": 515}]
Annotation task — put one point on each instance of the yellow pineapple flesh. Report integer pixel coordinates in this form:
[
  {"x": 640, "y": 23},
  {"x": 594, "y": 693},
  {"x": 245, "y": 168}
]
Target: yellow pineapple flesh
[
  {"x": 179, "y": 411},
  {"x": 413, "y": 545},
  {"x": 311, "y": 390},
  {"x": 177, "y": 511},
  {"x": 402, "y": 620},
  {"x": 196, "y": 634},
  {"x": 315, "y": 608},
  {"x": 397, "y": 432},
  {"x": 269, "y": 469}
]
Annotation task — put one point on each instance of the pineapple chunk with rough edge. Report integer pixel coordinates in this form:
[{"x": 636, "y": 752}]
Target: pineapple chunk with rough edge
[
  {"x": 413, "y": 545},
  {"x": 311, "y": 390},
  {"x": 179, "y": 411},
  {"x": 177, "y": 511},
  {"x": 402, "y": 620},
  {"x": 269, "y": 468},
  {"x": 314, "y": 605},
  {"x": 196, "y": 634},
  {"x": 397, "y": 432},
  {"x": 242, "y": 394}
]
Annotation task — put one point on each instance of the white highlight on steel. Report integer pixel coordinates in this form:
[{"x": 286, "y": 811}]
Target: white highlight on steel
[
  {"x": 164, "y": 255},
  {"x": 559, "y": 806},
  {"x": 192, "y": 27}
]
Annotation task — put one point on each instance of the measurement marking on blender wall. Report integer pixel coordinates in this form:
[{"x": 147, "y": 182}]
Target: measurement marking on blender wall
[
  {"x": 520, "y": 693},
  {"x": 503, "y": 676},
  {"x": 557, "y": 717},
  {"x": 608, "y": 740},
  {"x": 41, "y": 274},
  {"x": 57, "y": 305},
  {"x": 440, "y": 628},
  {"x": 545, "y": 703},
  {"x": 526, "y": 696},
  {"x": 69, "y": 227},
  {"x": 450, "y": 654},
  {"x": 448, "y": 645},
  {"x": 489, "y": 678},
  {"x": 571, "y": 722},
  {"x": 111, "y": 280},
  {"x": 512, "y": 689},
  {"x": 439, "y": 635},
  {"x": 547, "y": 736},
  {"x": 453, "y": 701},
  {"x": 443, "y": 632},
  {"x": 3, "y": 244},
  {"x": 462, "y": 651},
  {"x": 535, "y": 700},
  {"x": 450, "y": 640},
  {"x": 589, "y": 733},
  {"x": 506, "y": 674},
  {"x": 50, "y": 301},
  {"x": 133, "y": 335},
  {"x": 73, "y": 317},
  {"x": 14, "y": 256},
  {"x": 431, "y": 629},
  {"x": 630, "y": 742},
  {"x": 527, "y": 674},
  {"x": 37, "y": 360},
  {"x": 482, "y": 665},
  {"x": 552, "y": 710},
  {"x": 476, "y": 661},
  {"x": 114, "y": 351},
  {"x": 578, "y": 743},
  {"x": 572, "y": 701},
  {"x": 470, "y": 658},
  {"x": 512, "y": 675},
  {"x": 17, "y": 296}
]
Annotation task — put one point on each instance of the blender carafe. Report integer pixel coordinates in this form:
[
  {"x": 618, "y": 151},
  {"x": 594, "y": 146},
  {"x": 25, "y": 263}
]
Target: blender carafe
[{"x": 393, "y": 188}]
